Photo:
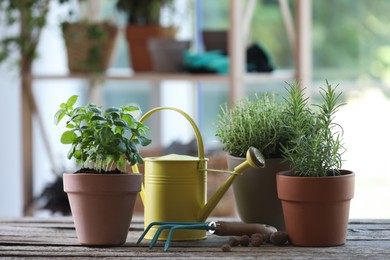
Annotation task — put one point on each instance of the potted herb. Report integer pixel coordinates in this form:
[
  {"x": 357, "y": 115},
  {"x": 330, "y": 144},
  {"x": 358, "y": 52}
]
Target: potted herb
[
  {"x": 89, "y": 46},
  {"x": 315, "y": 193},
  {"x": 143, "y": 24},
  {"x": 89, "y": 40},
  {"x": 258, "y": 122},
  {"x": 102, "y": 197}
]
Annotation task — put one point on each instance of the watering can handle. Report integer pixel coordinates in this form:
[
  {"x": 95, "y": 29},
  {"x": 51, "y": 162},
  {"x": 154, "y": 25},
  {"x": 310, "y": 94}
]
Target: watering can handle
[{"x": 197, "y": 134}]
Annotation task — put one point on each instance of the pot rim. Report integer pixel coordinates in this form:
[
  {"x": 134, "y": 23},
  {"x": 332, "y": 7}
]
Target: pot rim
[
  {"x": 297, "y": 188},
  {"x": 287, "y": 174},
  {"x": 102, "y": 174},
  {"x": 90, "y": 182}
]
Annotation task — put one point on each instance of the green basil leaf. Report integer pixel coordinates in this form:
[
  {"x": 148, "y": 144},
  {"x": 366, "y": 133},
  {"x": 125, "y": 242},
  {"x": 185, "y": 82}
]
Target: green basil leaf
[
  {"x": 68, "y": 137},
  {"x": 120, "y": 122},
  {"x": 144, "y": 141},
  {"x": 129, "y": 119},
  {"x": 78, "y": 154},
  {"x": 71, "y": 101},
  {"x": 114, "y": 110},
  {"x": 105, "y": 135},
  {"x": 121, "y": 146},
  {"x": 130, "y": 108},
  {"x": 139, "y": 159},
  {"x": 75, "y": 118},
  {"x": 71, "y": 151},
  {"x": 98, "y": 117},
  {"x": 113, "y": 115},
  {"x": 94, "y": 109},
  {"x": 132, "y": 147},
  {"x": 59, "y": 115}
]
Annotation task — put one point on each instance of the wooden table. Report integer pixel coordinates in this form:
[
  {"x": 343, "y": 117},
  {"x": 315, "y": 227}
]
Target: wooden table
[{"x": 56, "y": 238}]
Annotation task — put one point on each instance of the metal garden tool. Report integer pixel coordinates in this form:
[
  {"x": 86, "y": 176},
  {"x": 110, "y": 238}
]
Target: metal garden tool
[
  {"x": 219, "y": 228},
  {"x": 175, "y": 186}
]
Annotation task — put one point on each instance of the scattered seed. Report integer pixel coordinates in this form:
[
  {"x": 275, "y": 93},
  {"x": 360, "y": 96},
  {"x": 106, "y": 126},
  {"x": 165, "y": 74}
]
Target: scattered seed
[
  {"x": 279, "y": 238},
  {"x": 258, "y": 235},
  {"x": 244, "y": 240},
  {"x": 267, "y": 237},
  {"x": 256, "y": 241},
  {"x": 234, "y": 241},
  {"x": 226, "y": 248}
]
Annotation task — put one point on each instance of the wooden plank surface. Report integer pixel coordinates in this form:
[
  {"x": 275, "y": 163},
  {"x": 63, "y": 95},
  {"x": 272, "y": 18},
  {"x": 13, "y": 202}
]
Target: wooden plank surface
[{"x": 56, "y": 238}]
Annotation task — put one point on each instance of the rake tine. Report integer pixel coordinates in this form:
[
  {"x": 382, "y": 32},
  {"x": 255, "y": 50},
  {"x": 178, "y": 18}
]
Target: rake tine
[
  {"x": 173, "y": 226},
  {"x": 158, "y": 233},
  {"x": 147, "y": 230},
  {"x": 166, "y": 225},
  {"x": 197, "y": 226}
]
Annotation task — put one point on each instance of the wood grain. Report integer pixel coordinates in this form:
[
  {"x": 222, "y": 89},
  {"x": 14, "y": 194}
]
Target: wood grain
[{"x": 56, "y": 238}]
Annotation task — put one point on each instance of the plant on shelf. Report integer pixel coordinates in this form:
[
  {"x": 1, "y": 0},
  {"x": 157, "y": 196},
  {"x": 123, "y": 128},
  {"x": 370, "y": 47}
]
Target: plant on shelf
[
  {"x": 89, "y": 40},
  {"x": 143, "y": 23},
  {"x": 101, "y": 196},
  {"x": 30, "y": 16},
  {"x": 259, "y": 122},
  {"x": 144, "y": 12},
  {"x": 316, "y": 192}
]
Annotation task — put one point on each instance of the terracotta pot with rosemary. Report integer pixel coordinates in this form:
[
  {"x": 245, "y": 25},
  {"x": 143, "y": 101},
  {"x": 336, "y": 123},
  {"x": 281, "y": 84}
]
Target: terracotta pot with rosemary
[
  {"x": 101, "y": 196},
  {"x": 256, "y": 121},
  {"x": 316, "y": 192}
]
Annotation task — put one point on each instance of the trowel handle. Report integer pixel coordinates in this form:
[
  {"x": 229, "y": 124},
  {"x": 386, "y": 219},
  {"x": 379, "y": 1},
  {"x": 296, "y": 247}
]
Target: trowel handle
[{"x": 223, "y": 228}]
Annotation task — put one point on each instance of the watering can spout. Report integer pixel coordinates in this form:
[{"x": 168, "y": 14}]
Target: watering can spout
[{"x": 254, "y": 158}]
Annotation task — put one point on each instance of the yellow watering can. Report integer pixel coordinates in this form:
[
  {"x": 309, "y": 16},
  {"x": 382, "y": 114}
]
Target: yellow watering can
[{"x": 175, "y": 186}]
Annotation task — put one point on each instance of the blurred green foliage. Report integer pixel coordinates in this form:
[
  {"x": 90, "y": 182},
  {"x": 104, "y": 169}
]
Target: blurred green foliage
[{"x": 350, "y": 37}]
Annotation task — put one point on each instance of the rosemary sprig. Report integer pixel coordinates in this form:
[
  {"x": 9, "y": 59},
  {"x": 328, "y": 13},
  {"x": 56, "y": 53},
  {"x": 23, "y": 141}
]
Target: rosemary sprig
[{"x": 316, "y": 143}]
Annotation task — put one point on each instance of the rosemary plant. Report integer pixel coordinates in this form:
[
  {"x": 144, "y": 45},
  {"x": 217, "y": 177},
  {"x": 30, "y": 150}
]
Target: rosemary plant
[
  {"x": 257, "y": 122},
  {"x": 102, "y": 139},
  {"x": 316, "y": 144}
]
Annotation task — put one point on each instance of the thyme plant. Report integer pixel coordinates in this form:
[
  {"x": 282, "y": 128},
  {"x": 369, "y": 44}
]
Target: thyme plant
[
  {"x": 103, "y": 139},
  {"x": 257, "y": 122},
  {"x": 316, "y": 144}
]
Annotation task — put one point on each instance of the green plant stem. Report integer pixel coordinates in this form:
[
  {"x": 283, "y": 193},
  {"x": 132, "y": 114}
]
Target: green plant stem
[{"x": 316, "y": 145}]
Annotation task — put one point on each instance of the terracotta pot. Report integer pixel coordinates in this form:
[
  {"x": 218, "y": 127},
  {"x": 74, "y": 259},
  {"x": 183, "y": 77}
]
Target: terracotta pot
[
  {"x": 102, "y": 206},
  {"x": 316, "y": 209},
  {"x": 255, "y": 193},
  {"x": 138, "y": 37}
]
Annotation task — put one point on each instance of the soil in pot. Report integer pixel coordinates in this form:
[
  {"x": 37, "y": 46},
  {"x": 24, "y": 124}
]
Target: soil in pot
[
  {"x": 255, "y": 193},
  {"x": 316, "y": 209}
]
